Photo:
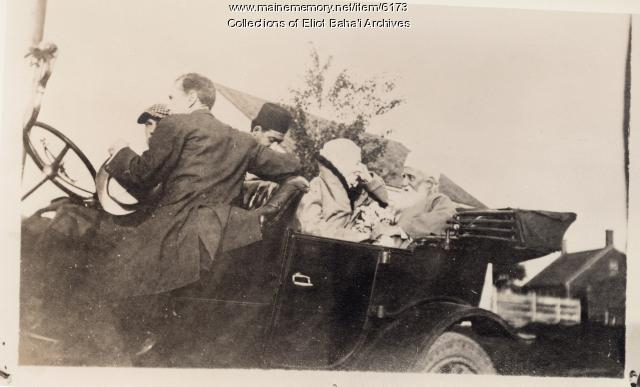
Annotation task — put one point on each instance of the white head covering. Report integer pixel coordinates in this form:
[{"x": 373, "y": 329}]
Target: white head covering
[
  {"x": 418, "y": 164},
  {"x": 346, "y": 156},
  {"x": 341, "y": 150}
]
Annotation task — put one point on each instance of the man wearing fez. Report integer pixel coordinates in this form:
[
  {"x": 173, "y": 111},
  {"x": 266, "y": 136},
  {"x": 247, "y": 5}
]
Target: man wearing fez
[
  {"x": 268, "y": 128},
  {"x": 271, "y": 125},
  {"x": 424, "y": 210}
]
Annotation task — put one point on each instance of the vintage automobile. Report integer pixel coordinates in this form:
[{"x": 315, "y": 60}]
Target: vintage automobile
[{"x": 297, "y": 301}]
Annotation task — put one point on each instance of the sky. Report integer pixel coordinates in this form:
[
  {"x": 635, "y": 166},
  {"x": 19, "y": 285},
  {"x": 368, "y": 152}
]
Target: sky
[{"x": 522, "y": 108}]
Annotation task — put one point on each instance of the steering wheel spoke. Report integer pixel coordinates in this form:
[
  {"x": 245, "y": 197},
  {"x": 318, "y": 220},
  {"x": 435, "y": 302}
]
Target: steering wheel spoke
[
  {"x": 32, "y": 190},
  {"x": 58, "y": 159}
]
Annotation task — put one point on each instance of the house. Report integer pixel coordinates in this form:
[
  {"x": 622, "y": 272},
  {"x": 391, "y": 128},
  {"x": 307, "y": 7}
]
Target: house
[
  {"x": 238, "y": 109},
  {"x": 596, "y": 277}
]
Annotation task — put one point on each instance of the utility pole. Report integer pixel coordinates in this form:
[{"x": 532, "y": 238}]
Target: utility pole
[
  {"x": 42, "y": 57},
  {"x": 627, "y": 112}
]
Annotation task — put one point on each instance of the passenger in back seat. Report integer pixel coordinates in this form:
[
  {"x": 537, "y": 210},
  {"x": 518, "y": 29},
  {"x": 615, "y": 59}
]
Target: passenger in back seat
[
  {"x": 424, "y": 209},
  {"x": 269, "y": 128},
  {"x": 271, "y": 125},
  {"x": 345, "y": 201}
]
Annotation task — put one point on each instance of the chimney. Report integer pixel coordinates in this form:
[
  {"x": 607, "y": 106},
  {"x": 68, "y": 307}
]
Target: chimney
[
  {"x": 608, "y": 238},
  {"x": 564, "y": 247}
]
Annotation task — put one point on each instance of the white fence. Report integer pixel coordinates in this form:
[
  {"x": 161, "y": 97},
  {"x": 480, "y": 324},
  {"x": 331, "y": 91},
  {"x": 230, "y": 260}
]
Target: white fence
[{"x": 521, "y": 309}]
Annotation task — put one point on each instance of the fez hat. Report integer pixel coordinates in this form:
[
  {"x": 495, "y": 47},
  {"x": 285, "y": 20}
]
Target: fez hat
[
  {"x": 157, "y": 111},
  {"x": 273, "y": 117}
]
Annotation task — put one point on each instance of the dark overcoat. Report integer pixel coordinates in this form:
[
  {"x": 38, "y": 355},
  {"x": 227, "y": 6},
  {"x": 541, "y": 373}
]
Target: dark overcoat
[{"x": 201, "y": 164}]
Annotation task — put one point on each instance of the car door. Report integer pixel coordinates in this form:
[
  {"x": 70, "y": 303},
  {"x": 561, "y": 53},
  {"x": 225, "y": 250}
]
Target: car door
[
  {"x": 323, "y": 302},
  {"x": 221, "y": 320}
]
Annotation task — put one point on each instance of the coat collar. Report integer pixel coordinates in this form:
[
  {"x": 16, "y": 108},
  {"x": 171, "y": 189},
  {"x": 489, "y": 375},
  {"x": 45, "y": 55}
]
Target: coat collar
[{"x": 202, "y": 111}]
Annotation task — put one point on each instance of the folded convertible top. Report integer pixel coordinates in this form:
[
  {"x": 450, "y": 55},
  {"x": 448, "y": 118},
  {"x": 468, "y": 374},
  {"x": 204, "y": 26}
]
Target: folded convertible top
[{"x": 511, "y": 235}]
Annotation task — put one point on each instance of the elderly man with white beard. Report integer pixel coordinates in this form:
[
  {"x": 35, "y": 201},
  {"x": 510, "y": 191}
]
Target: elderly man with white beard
[{"x": 426, "y": 210}]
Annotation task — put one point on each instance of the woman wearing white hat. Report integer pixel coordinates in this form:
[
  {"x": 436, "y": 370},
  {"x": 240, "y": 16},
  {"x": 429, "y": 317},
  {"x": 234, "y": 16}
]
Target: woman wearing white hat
[{"x": 344, "y": 197}]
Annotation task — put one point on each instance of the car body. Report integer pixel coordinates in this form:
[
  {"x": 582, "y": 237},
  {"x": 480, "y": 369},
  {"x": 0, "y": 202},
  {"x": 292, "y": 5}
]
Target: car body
[{"x": 299, "y": 301}]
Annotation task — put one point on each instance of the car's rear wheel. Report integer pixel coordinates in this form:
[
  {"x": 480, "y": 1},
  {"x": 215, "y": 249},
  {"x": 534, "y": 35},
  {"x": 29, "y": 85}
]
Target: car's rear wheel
[{"x": 455, "y": 353}]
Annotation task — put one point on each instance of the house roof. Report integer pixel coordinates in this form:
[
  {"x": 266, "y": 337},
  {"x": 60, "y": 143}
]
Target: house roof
[
  {"x": 390, "y": 163},
  {"x": 248, "y": 104},
  {"x": 457, "y": 194},
  {"x": 568, "y": 268},
  {"x": 598, "y": 275}
]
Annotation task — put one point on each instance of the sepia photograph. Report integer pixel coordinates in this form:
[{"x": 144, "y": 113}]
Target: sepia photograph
[{"x": 318, "y": 193}]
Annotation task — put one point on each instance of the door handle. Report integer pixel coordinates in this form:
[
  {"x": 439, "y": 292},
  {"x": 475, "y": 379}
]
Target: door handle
[{"x": 302, "y": 280}]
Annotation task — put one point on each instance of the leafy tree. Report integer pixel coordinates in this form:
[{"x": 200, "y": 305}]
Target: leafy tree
[{"x": 351, "y": 103}]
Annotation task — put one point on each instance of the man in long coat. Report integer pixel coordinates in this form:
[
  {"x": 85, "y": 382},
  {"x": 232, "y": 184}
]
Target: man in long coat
[{"x": 201, "y": 164}]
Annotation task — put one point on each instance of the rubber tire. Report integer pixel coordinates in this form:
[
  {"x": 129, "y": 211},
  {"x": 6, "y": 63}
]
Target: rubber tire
[{"x": 454, "y": 352}]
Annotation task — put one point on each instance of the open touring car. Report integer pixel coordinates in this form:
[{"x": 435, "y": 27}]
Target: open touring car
[{"x": 297, "y": 301}]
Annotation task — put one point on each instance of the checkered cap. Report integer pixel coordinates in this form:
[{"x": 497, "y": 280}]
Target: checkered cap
[{"x": 156, "y": 111}]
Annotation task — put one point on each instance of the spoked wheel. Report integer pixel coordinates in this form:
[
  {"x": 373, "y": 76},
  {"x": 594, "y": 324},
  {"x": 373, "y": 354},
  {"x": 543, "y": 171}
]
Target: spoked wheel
[
  {"x": 455, "y": 353},
  {"x": 60, "y": 160}
]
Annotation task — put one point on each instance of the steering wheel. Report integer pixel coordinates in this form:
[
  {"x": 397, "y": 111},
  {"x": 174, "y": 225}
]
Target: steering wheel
[
  {"x": 113, "y": 198},
  {"x": 60, "y": 160}
]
